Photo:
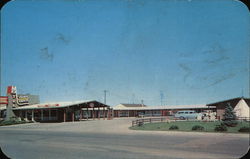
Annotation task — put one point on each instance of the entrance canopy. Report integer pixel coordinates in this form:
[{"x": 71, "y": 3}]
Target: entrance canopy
[
  {"x": 63, "y": 111},
  {"x": 55, "y": 105}
]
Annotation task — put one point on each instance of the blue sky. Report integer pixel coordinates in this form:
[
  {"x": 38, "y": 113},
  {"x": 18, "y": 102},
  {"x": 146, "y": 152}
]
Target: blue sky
[{"x": 194, "y": 52}]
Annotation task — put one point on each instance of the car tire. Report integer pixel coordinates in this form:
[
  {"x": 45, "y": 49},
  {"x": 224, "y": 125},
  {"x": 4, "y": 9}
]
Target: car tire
[{"x": 182, "y": 118}]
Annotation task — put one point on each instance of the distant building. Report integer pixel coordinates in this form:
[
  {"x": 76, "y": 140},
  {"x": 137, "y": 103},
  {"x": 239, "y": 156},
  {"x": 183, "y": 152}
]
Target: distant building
[
  {"x": 134, "y": 110},
  {"x": 240, "y": 106},
  {"x": 127, "y": 110}
]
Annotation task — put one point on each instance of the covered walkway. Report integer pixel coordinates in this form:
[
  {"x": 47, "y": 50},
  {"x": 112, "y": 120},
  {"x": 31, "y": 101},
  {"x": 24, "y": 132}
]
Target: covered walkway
[{"x": 64, "y": 111}]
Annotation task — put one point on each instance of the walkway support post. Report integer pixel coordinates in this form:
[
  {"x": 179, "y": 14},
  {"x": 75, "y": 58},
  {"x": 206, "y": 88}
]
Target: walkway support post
[
  {"x": 41, "y": 115},
  {"x": 64, "y": 115},
  {"x": 87, "y": 113},
  {"x": 49, "y": 114},
  {"x": 32, "y": 115},
  {"x": 98, "y": 113},
  {"x": 80, "y": 113},
  {"x": 26, "y": 115},
  {"x": 73, "y": 114},
  {"x": 103, "y": 113},
  {"x": 56, "y": 114}
]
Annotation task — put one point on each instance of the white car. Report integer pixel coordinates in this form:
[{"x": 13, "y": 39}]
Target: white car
[{"x": 187, "y": 114}]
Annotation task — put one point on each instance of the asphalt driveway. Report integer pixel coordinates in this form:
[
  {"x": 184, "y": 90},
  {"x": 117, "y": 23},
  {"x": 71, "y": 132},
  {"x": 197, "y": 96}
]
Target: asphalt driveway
[{"x": 112, "y": 139}]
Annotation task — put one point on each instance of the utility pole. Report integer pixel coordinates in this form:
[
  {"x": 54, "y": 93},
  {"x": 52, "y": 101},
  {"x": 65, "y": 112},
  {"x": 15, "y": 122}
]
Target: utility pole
[
  {"x": 142, "y": 103},
  {"x": 133, "y": 98},
  {"x": 105, "y": 92}
]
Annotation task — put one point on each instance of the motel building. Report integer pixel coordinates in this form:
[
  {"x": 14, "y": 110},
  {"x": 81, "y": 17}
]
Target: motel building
[
  {"x": 240, "y": 106},
  {"x": 27, "y": 107},
  {"x": 64, "y": 111},
  {"x": 14, "y": 105},
  {"x": 135, "y": 110}
]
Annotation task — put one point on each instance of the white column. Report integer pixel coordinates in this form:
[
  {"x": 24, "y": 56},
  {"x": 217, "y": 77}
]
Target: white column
[
  {"x": 80, "y": 113},
  {"x": 20, "y": 114},
  {"x": 26, "y": 116},
  {"x": 103, "y": 113},
  {"x": 98, "y": 113},
  {"x": 87, "y": 113},
  {"x": 32, "y": 117}
]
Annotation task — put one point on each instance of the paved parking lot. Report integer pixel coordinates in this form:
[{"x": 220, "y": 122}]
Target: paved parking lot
[{"x": 112, "y": 139}]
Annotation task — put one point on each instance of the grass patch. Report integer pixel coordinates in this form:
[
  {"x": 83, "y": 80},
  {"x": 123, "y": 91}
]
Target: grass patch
[
  {"x": 13, "y": 122},
  {"x": 188, "y": 125}
]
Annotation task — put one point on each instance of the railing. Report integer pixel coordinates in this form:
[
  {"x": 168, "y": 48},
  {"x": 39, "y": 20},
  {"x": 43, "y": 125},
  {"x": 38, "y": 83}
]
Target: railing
[
  {"x": 244, "y": 118},
  {"x": 140, "y": 122}
]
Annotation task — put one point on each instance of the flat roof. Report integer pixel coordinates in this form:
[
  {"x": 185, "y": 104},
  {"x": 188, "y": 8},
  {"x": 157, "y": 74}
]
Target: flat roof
[{"x": 166, "y": 107}]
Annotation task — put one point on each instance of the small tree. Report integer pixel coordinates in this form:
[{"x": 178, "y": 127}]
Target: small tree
[{"x": 229, "y": 116}]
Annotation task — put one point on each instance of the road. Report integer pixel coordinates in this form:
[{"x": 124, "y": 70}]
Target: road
[{"x": 112, "y": 139}]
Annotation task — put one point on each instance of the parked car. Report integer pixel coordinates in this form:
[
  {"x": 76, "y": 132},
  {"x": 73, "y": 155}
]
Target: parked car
[
  {"x": 187, "y": 114},
  {"x": 141, "y": 115}
]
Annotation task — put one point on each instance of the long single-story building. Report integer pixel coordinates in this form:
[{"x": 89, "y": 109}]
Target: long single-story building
[
  {"x": 134, "y": 110},
  {"x": 64, "y": 111}
]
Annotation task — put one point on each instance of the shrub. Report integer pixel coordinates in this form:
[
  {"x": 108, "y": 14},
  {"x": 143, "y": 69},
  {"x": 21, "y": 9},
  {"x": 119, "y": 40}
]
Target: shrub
[
  {"x": 229, "y": 116},
  {"x": 221, "y": 127},
  {"x": 140, "y": 123},
  {"x": 173, "y": 127},
  {"x": 244, "y": 129},
  {"x": 198, "y": 128}
]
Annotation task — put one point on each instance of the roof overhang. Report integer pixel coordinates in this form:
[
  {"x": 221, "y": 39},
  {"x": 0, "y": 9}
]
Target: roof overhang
[{"x": 56, "y": 105}]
